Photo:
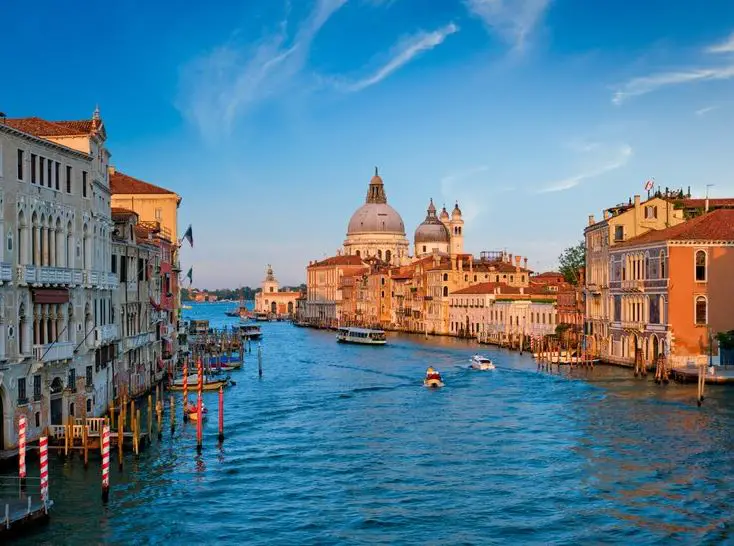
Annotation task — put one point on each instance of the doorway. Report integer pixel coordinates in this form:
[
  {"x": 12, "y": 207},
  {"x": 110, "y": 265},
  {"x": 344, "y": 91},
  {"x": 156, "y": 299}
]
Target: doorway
[{"x": 57, "y": 409}]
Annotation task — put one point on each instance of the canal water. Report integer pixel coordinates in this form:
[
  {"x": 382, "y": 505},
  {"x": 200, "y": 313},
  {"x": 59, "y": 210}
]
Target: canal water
[{"x": 340, "y": 444}]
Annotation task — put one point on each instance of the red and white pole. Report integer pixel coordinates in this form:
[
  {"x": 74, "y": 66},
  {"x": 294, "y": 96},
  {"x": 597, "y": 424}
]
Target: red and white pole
[
  {"x": 105, "y": 463},
  {"x": 43, "y": 444},
  {"x": 21, "y": 447}
]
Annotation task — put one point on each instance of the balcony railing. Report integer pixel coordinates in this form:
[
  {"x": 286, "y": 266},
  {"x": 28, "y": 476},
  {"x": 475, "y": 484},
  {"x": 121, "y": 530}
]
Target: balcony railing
[
  {"x": 633, "y": 284},
  {"x": 62, "y": 350},
  {"x": 64, "y": 276},
  {"x": 133, "y": 342},
  {"x": 105, "y": 334},
  {"x": 6, "y": 272}
]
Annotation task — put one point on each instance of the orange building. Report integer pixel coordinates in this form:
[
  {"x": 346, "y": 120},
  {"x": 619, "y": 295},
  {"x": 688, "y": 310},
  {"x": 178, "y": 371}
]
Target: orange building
[{"x": 672, "y": 291}]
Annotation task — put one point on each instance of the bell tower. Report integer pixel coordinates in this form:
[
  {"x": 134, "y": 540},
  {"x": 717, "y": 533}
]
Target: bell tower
[
  {"x": 456, "y": 229},
  {"x": 270, "y": 284}
]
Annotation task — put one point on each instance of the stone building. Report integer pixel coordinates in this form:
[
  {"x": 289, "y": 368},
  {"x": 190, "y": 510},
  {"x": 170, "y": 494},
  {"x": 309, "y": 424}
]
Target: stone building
[
  {"x": 56, "y": 330},
  {"x": 272, "y": 300},
  {"x": 671, "y": 291}
]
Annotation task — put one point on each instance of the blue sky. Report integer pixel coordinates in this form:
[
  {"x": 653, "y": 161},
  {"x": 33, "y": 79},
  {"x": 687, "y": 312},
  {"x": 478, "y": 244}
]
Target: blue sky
[{"x": 269, "y": 116}]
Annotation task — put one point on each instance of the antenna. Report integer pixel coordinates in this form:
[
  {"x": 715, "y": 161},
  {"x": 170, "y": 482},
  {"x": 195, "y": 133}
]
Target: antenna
[{"x": 707, "y": 189}]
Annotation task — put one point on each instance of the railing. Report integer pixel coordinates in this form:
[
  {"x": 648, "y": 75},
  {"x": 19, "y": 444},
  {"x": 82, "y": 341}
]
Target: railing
[
  {"x": 133, "y": 342},
  {"x": 62, "y": 350},
  {"x": 633, "y": 284},
  {"x": 105, "y": 334},
  {"x": 633, "y": 325},
  {"x": 6, "y": 272}
]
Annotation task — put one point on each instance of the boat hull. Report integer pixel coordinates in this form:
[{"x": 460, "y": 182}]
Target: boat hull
[
  {"x": 361, "y": 341},
  {"x": 482, "y": 367},
  {"x": 209, "y": 386},
  {"x": 433, "y": 383}
]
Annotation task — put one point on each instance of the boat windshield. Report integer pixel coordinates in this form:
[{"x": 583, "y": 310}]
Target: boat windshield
[{"x": 377, "y": 336}]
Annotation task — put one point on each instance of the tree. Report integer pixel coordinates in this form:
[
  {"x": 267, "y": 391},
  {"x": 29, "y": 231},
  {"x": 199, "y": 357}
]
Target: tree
[{"x": 571, "y": 260}]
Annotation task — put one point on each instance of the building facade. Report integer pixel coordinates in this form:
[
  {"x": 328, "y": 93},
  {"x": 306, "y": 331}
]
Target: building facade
[
  {"x": 57, "y": 337},
  {"x": 272, "y": 300},
  {"x": 671, "y": 291}
]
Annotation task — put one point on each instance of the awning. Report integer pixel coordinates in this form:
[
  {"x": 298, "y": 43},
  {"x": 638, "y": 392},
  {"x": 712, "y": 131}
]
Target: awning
[{"x": 50, "y": 295}]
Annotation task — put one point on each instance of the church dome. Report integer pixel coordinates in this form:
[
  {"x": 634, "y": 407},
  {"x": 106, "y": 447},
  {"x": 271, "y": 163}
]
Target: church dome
[
  {"x": 456, "y": 213},
  {"x": 376, "y": 215},
  {"x": 431, "y": 230},
  {"x": 444, "y": 214}
]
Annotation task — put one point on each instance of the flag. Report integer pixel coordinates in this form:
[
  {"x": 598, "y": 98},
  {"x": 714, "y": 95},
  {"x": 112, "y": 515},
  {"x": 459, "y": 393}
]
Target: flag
[
  {"x": 190, "y": 275},
  {"x": 648, "y": 185},
  {"x": 189, "y": 236}
]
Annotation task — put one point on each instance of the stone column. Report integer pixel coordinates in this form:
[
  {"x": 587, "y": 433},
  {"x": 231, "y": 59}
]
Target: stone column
[
  {"x": 60, "y": 314},
  {"x": 52, "y": 247},
  {"x": 44, "y": 246},
  {"x": 36, "y": 245},
  {"x": 43, "y": 316},
  {"x": 52, "y": 323},
  {"x": 36, "y": 325}
]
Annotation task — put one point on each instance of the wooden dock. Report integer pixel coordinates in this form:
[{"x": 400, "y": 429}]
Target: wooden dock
[
  {"x": 18, "y": 514},
  {"x": 720, "y": 375}
]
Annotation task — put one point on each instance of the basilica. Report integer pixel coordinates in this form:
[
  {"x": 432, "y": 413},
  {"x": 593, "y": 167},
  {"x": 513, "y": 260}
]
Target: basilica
[{"x": 376, "y": 230}]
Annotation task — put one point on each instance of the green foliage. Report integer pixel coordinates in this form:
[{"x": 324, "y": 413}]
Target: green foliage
[
  {"x": 570, "y": 261},
  {"x": 726, "y": 340}
]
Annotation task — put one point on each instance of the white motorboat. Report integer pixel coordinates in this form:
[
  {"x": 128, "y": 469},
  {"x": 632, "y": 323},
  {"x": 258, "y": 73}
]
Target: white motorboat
[
  {"x": 363, "y": 336},
  {"x": 479, "y": 362}
]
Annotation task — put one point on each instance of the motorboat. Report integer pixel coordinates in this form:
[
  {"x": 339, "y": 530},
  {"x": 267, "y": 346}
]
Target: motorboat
[
  {"x": 479, "y": 362},
  {"x": 363, "y": 336},
  {"x": 192, "y": 414},
  {"x": 192, "y": 383},
  {"x": 250, "y": 331},
  {"x": 433, "y": 379}
]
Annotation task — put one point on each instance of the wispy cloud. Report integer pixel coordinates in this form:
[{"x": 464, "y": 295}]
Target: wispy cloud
[
  {"x": 727, "y": 46},
  {"x": 402, "y": 54},
  {"x": 705, "y": 110},
  {"x": 513, "y": 20},
  {"x": 471, "y": 189},
  {"x": 221, "y": 85},
  {"x": 647, "y": 84},
  {"x": 614, "y": 159}
]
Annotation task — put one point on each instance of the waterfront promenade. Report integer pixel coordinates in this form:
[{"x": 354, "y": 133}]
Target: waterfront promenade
[{"x": 340, "y": 444}]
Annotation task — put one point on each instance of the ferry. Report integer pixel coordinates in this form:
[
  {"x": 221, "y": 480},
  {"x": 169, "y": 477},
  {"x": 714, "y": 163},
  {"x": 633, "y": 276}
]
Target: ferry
[
  {"x": 364, "y": 336},
  {"x": 250, "y": 331},
  {"x": 479, "y": 362}
]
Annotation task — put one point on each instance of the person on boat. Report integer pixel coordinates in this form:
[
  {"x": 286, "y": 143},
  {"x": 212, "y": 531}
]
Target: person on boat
[{"x": 432, "y": 374}]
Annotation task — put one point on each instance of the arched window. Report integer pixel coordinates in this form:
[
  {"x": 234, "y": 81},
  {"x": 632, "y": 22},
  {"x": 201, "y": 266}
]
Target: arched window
[
  {"x": 700, "y": 266},
  {"x": 445, "y": 291},
  {"x": 496, "y": 278},
  {"x": 445, "y": 276},
  {"x": 357, "y": 253},
  {"x": 388, "y": 255},
  {"x": 701, "y": 310},
  {"x": 379, "y": 254},
  {"x": 466, "y": 278}
]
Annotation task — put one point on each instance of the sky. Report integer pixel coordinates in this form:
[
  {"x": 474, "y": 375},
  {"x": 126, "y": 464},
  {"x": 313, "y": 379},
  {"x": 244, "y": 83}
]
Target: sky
[{"x": 269, "y": 116}]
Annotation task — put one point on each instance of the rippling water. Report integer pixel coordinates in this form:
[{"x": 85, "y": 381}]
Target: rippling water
[{"x": 341, "y": 444}]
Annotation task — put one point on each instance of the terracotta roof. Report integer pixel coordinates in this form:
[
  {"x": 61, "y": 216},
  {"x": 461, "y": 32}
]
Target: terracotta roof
[
  {"x": 121, "y": 183},
  {"x": 347, "y": 259},
  {"x": 42, "y": 128},
  {"x": 121, "y": 212},
  {"x": 699, "y": 203},
  {"x": 717, "y": 225},
  {"x": 488, "y": 288},
  {"x": 547, "y": 274}
]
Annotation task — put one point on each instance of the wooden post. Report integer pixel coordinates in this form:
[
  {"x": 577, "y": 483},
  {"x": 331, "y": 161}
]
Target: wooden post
[
  {"x": 221, "y": 414},
  {"x": 159, "y": 415},
  {"x": 137, "y": 433},
  {"x": 86, "y": 445},
  {"x": 112, "y": 412},
  {"x": 120, "y": 438},
  {"x": 173, "y": 414},
  {"x": 21, "y": 448},
  {"x": 105, "y": 463},
  {"x": 185, "y": 389},
  {"x": 259, "y": 360},
  {"x": 132, "y": 413},
  {"x": 43, "y": 443},
  {"x": 150, "y": 416},
  {"x": 701, "y": 382}
]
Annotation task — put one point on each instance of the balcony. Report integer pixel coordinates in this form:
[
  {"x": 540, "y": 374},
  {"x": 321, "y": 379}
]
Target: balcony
[
  {"x": 103, "y": 335},
  {"x": 633, "y": 285},
  {"x": 103, "y": 280},
  {"x": 63, "y": 350},
  {"x": 133, "y": 342},
  {"x": 633, "y": 325},
  {"x": 6, "y": 272},
  {"x": 36, "y": 275}
]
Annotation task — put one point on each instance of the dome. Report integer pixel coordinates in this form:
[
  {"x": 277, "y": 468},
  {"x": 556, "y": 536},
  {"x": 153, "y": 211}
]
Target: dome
[
  {"x": 431, "y": 230},
  {"x": 456, "y": 212},
  {"x": 444, "y": 214},
  {"x": 376, "y": 217}
]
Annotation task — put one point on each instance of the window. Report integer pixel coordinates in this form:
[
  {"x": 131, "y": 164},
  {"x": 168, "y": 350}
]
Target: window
[
  {"x": 21, "y": 157},
  {"x": 424, "y": 248},
  {"x": 159, "y": 214},
  {"x": 68, "y": 179},
  {"x": 72, "y": 380},
  {"x": 700, "y": 266},
  {"x": 445, "y": 291},
  {"x": 36, "y": 387},
  {"x": 617, "y": 308},
  {"x": 651, "y": 212},
  {"x": 21, "y": 391},
  {"x": 662, "y": 265},
  {"x": 619, "y": 233},
  {"x": 701, "y": 310},
  {"x": 445, "y": 277},
  {"x": 114, "y": 263},
  {"x": 654, "y": 310},
  {"x": 58, "y": 172},
  {"x": 123, "y": 269},
  {"x": 41, "y": 169},
  {"x": 84, "y": 183},
  {"x": 50, "y": 166},
  {"x": 141, "y": 270},
  {"x": 33, "y": 168},
  {"x": 90, "y": 380}
]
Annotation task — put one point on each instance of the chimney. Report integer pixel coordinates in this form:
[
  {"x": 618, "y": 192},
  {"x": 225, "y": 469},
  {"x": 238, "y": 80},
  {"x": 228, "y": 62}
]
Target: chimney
[
  {"x": 111, "y": 169},
  {"x": 526, "y": 262},
  {"x": 637, "y": 200},
  {"x": 509, "y": 259},
  {"x": 591, "y": 220},
  {"x": 706, "y": 205},
  {"x": 606, "y": 215},
  {"x": 471, "y": 264}
]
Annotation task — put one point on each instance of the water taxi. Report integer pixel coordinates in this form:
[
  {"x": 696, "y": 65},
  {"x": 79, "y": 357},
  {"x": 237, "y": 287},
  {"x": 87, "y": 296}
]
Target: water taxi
[
  {"x": 364, "y": 336},
  {"x": 479, "y": 362},
  {"x": 433, "y": 379},
  {"x": 250, "y": 331},
  {"x": 262, "y": 317}
]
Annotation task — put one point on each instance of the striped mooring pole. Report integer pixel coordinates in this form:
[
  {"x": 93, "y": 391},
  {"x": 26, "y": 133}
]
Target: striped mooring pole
[
  {"x": 43, "y": 444},
  {"x": 21, "y": 448},
  {"x": 106, "y": 463}
]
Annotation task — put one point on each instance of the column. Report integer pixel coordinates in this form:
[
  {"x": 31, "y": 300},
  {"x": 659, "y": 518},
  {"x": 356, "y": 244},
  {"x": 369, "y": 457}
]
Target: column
[
  {"x": 60, "y": 332},
  {"x": 27, "y": 333},
  {"x": 44, "y": 246},
  {"x": 52, "y": 323},
  {"x": 36, "y": 245},
  {"x": 2, "y": 338},
  {"x": 44, "y": 324},
  {"x": 52, "y": 247},
  {"x": 36, "y": 325},
  {"x": 60, "y": 251}
]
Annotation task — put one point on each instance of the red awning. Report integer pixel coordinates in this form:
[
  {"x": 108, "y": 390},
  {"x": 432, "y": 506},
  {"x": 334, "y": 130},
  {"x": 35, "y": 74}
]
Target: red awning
[{"x": 50, "y": 295}]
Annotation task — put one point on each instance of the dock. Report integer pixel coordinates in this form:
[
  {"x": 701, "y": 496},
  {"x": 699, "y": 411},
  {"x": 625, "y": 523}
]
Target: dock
[
  {"x": 21, "y": 505},
  {"x": 715, "y": 375}
]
